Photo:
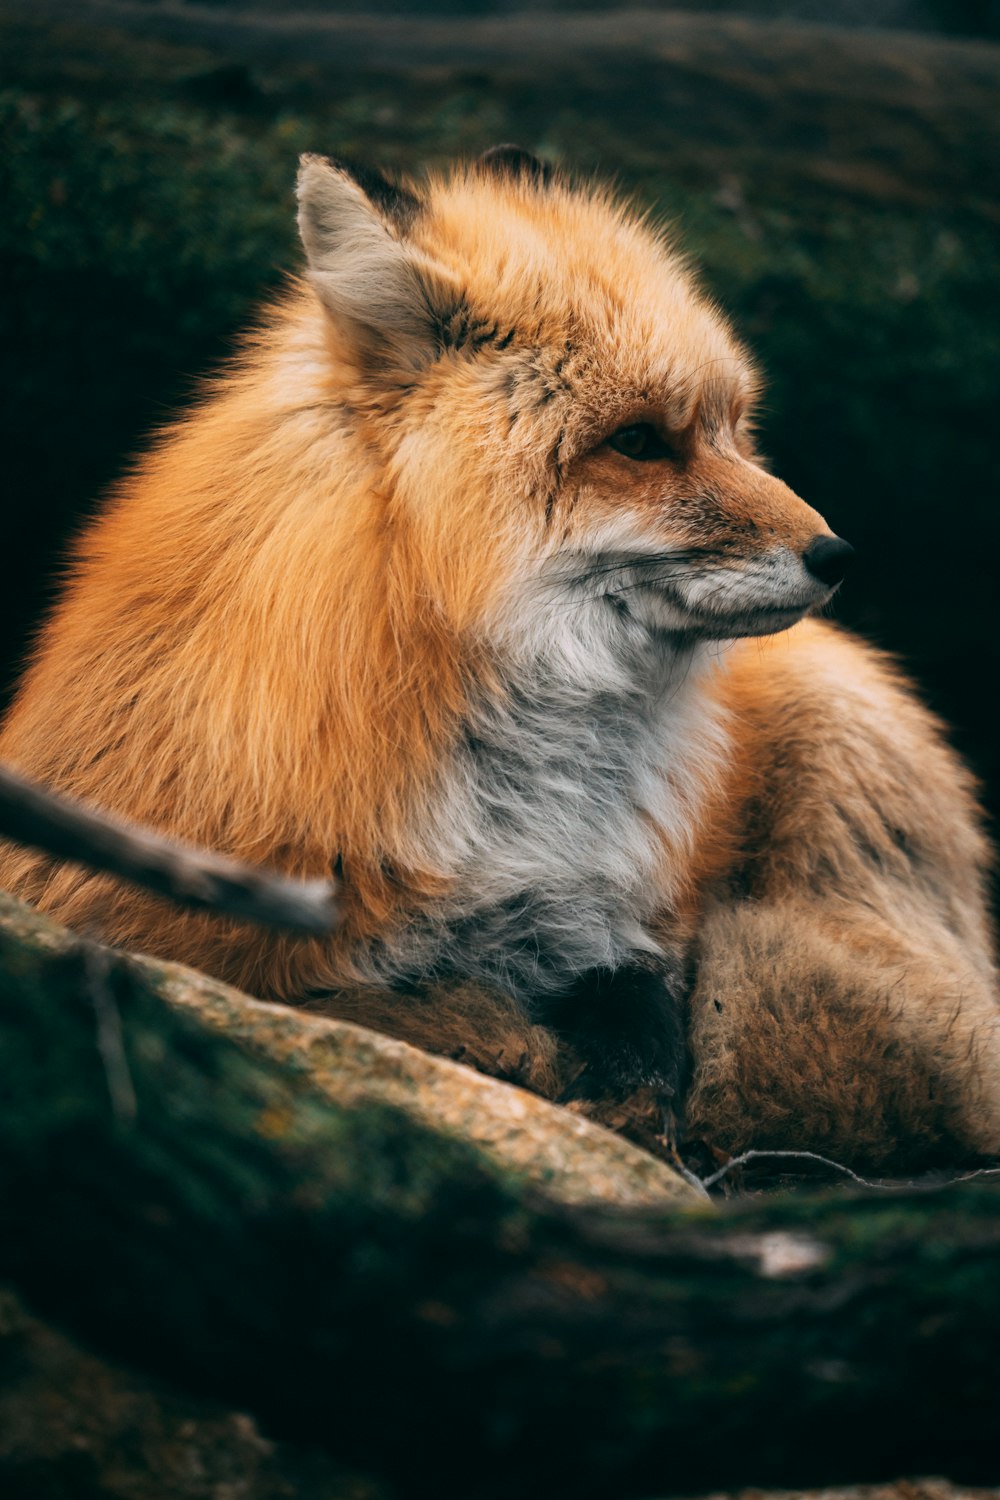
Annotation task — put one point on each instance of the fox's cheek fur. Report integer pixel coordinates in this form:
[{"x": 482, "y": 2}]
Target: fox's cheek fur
[{"x": 395, "y": 594}]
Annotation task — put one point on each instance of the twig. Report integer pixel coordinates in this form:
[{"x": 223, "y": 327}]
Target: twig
[
  {"x": 739, "y": 1161},
  {"x": 61, "y": 827},
  {"x": 98, "y": 963}
]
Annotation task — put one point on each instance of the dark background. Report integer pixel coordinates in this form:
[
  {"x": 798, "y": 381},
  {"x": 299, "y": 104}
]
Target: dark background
[{"x": 836, "y": 182}]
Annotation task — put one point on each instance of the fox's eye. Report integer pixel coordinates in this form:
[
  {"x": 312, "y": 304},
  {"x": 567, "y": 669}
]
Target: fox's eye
[{"x": 640, "y": 442}]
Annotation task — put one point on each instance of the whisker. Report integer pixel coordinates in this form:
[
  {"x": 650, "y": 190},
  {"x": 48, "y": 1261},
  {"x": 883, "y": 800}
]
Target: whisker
[
  {"x": 645, "y": 583},
  {"x": 652, "y": 560},
  {"x": 639, "y": 583}
]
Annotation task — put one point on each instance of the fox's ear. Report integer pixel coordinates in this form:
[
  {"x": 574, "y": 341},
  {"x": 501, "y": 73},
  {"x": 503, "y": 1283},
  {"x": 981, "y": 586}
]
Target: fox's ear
[
  {"x": 353, "y": 225},
  {"x": 514, "y": 162}
]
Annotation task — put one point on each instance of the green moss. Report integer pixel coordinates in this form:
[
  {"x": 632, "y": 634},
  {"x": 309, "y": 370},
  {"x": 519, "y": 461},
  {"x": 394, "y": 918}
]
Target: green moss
[{"x": 346, "y": 1272}]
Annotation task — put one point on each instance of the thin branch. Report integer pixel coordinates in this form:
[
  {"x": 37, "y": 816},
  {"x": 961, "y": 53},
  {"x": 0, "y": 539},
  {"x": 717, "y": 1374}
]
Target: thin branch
[
  {"x": 97, "y": 969},
  {"x": 748, "y": 1156},
  {"x": 61, "y": 827}
]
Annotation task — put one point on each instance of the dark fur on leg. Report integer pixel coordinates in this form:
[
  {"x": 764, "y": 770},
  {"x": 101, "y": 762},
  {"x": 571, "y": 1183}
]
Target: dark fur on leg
[{"x": 628, "y": 1025}]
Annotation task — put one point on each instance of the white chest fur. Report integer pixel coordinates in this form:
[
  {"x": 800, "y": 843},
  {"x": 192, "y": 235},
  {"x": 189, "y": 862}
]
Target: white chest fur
[{"x": 557, "y": 809}]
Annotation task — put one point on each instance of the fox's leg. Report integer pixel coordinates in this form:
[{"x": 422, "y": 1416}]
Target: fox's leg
[
  {"x": 616, "y": 1074},
  {"x": 833, "y": 1032},
  {"x": 846, "y": 998},
  {"x": 627, "y": 1025},
  {"x": 491, "y": 1032},
  {"x": 484, "y": 1028}
]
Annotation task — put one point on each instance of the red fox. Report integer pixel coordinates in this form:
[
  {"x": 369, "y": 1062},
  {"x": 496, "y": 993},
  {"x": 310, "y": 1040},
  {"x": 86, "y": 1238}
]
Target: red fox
[{"x": 468, "y": 578}]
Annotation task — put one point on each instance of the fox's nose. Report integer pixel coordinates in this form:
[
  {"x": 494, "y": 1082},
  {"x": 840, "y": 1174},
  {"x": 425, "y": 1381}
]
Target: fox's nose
[{"x": 828, "y": 558}]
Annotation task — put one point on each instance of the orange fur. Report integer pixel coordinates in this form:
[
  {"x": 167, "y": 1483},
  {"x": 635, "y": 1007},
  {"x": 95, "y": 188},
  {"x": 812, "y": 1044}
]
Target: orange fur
[{"x": 272, "y": 636}]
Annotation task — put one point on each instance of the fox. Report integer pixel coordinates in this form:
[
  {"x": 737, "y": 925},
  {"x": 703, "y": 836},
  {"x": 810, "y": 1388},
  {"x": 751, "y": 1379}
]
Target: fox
[{"x": 466, "y": 579}]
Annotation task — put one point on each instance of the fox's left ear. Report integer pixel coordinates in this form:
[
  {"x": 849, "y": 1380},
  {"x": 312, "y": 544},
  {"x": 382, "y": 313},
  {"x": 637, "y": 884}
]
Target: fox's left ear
[
  {"x": 516, "y": 164},
  {"x": 377, "y": 289}
]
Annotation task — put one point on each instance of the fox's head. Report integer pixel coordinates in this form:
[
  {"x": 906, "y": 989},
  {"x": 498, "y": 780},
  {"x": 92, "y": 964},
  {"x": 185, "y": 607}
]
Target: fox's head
[{"x": 557, "y": 412}]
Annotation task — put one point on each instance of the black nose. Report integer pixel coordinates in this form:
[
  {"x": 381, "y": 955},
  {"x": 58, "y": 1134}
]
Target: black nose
[{"x": 827, "y": 558}]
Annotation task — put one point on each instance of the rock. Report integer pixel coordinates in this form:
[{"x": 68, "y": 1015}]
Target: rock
[
  {"x": 74, "y": 1426},
  {"x": 569, "y": 1157}
]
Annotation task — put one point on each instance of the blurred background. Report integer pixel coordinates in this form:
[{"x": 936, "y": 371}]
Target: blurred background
[{"x": 832, "y": 167}]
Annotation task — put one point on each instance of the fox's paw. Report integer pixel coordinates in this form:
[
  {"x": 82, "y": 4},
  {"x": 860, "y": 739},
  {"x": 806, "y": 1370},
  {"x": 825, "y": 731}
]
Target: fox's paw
[{"x": 627, "y": 1027}]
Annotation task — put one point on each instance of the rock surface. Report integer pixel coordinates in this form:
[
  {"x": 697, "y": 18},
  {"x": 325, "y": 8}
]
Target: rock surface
[
  {"x": 571, "y": 1159},
  {"x": 567, "y": 1156},
  {"x": 206, "y": 1191}
]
